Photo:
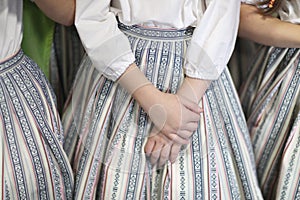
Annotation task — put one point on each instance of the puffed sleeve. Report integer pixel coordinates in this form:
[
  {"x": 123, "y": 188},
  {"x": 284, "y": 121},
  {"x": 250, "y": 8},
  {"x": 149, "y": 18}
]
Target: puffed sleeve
[
  {"x": 107, "y": 47},
  {"x": 213, "y": 40}
]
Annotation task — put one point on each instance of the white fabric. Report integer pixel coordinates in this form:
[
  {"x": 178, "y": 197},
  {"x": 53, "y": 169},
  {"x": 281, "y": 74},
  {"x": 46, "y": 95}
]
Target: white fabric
[
  {"x": 10, "y": 27},
  {"x": 289, "y": 11},
  {"x": 213, "y": 41}
]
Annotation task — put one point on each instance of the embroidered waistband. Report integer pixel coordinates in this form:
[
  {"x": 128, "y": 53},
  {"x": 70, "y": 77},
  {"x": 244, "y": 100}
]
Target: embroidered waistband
[{"x": 157, "y": 33}]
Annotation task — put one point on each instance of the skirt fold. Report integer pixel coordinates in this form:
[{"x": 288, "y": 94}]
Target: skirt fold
[
  {"x": 34, "y": 163},
  {"x": 110, "y": 160},
  {"x": 273, "y": 118}
]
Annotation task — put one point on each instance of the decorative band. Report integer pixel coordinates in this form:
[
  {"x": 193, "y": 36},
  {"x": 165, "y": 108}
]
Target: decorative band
[
  {"x": 11, "y": 61},
  {"x": 156, "y": 33}
]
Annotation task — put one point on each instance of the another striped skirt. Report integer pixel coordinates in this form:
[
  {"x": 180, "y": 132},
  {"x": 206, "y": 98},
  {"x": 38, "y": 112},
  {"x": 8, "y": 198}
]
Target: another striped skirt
[
  {"x": 33, "y": 164},
  {"x": 106, "y": 131},
  {"x": 271, "y": 101}
]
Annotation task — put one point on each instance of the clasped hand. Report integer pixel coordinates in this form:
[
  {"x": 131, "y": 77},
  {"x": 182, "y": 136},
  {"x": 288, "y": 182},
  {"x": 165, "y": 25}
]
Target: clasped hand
[
  {"x": 175, "y": 119},
  {"x": 175, "y": 116}
]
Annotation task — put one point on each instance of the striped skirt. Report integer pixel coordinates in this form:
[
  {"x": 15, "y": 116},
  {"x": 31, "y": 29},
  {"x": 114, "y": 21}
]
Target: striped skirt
[
  {"x": 33, "y": 164},
  {"x": 106, "y": 131},
  {"x": 271, "y": 100}
]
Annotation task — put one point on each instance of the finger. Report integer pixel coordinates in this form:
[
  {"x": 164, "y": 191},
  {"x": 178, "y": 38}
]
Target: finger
[
  {"x": 189, "y": 116},
  {"x": 151, "y": 140},
  {"x": 169, "y": 136},
  {"x": 189, "y": 104},
  {"x": 175, "y": 138},
  {"x": 186, "y": 134},
  {"x": 175, "y": 149},
  {"x": 164, "y": 155},
  {"x": 155, "y": 152},
  {"x": 149, "y": 146}
]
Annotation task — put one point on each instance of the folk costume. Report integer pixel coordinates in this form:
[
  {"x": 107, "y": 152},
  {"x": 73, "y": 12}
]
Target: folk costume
[{"x": 106, "y": 129}]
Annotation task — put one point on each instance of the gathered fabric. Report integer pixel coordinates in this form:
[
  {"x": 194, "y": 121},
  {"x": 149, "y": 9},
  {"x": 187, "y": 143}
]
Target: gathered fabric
[
  {"x": 270, "y": 98},
  {"x": 106, "y": 131},
  {"x": 33, "y": 164}
]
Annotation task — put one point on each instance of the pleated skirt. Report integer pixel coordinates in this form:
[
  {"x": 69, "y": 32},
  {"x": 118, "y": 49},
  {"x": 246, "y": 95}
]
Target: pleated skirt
[
  {"x": 271, "y": 101},
  {"x": 33, "y": 164},
  {"x": 106, "y": 131}
]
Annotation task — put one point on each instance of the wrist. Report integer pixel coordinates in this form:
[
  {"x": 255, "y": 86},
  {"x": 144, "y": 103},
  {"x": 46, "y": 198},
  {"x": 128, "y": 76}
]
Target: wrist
[
  {"x": 133, "y": 79},
  {"x": 147, "y": 96},
  {"x": 193, "y": 89},
  {"x": 141, "y": 89}
]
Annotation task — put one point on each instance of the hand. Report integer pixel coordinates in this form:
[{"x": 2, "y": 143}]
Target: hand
[
  {"x": 175, "y": 117},
  {"x": 160, "y": 149}
]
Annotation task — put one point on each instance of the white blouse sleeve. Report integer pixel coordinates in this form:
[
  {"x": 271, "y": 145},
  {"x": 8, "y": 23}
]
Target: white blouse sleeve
[
  {"x": 252, "y": 2},
  {"x": 213, "y": 40},
  {"x": 107, "y": 47},
  {"x": 290, "y": 11}
]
